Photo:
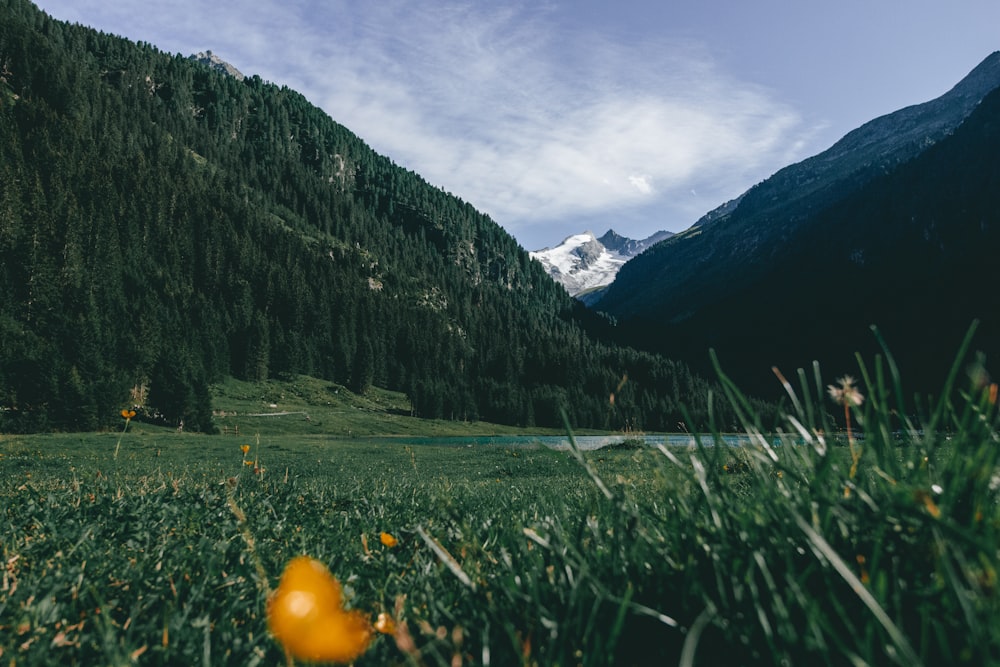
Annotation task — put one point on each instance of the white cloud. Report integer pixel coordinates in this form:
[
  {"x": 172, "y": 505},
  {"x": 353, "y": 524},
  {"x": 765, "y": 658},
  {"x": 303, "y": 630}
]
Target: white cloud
[
  {"x": 528, "y": 121},
  {"x": 531, "y": 123},
  {"x": 641, "y": 183}
]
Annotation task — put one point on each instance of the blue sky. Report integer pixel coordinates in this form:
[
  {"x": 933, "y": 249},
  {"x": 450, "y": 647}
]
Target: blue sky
[{"x": 556, "y": 117}]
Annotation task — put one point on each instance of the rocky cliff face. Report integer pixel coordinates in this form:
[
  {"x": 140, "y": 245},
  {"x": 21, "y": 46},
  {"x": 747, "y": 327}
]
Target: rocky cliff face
[
  {"x": 209, "y": 59},
  {"x": 615, "y": 242}
]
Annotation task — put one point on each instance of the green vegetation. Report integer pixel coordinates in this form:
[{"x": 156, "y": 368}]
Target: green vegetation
[
  {"x": 811, "y": 546},
  {"x": 164, "y": 226},
  {"x": 165, "y": 229},
  {"x": 306, "y": 406}
]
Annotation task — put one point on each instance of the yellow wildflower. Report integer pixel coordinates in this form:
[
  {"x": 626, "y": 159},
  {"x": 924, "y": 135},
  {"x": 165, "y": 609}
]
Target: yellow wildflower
[
  {"x": 306, "y": 615},
  {"x": 865, "y": 578},
  {"x": 924, "y": 497},
  {"x": 388, "y": 540},
  {"x": 385, "y": 625}
]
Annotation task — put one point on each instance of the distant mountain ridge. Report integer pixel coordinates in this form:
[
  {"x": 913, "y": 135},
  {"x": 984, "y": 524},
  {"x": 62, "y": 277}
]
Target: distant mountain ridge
[
  {"x": 631, "y": 247},
  {"x": 871, "y": 150},
  {"x": 871, "y": 231},
  {"x": 585, "y": 264}
]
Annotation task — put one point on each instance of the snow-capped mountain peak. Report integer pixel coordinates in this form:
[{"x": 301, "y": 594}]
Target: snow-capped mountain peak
[{"x": 583, "y": 263}]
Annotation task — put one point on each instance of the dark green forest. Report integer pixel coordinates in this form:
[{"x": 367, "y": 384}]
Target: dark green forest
[{"x": 164, "y": 225}]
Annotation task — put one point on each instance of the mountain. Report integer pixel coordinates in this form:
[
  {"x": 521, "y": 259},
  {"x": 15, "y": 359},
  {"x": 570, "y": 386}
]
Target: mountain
[
  {"x": 891, "y": 226},
  {"x": 630, "y": 247},
  {"x": 585, "y": 264},
  {"x": 719, "y": 212},
  {"x": 871, "y": 150},
  {"x": 213, "y": 61},
  {"x": 164, "y": 225}
]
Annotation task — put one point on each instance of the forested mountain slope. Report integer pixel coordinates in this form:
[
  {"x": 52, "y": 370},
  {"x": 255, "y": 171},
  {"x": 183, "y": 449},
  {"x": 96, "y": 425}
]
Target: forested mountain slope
[
  {"x": 163, "y": 224},
  {"x": 694, "y": 267},
  {"x": 909, "y": 251}
]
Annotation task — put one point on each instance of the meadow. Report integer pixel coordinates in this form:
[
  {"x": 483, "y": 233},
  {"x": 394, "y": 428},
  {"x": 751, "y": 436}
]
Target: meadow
[{"x": 862, "y": 529}]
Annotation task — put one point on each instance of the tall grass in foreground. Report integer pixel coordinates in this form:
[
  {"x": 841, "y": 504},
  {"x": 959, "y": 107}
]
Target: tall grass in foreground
[
  {"x": 886, "y": 556},
  {"x": 806, "y": 547}
]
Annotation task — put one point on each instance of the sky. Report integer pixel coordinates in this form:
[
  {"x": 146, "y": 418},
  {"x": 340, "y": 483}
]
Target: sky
[{"x": 556, "y": 117}]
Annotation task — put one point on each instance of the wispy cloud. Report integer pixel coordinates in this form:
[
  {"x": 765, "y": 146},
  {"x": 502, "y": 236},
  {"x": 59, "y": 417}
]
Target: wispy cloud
[
  {"x": 528, "y": 120},
  {"x": 533, "y": 123}
]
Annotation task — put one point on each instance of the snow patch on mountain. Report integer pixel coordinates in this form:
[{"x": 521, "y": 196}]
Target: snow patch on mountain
[{"x": 583, "y": 263}]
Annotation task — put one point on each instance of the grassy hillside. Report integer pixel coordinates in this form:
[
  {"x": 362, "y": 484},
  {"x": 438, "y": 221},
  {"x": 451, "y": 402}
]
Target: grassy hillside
[{"x": 306, "y": 406}]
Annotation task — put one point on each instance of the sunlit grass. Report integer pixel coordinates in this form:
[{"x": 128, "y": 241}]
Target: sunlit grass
[{"x": 699, "y": 555}]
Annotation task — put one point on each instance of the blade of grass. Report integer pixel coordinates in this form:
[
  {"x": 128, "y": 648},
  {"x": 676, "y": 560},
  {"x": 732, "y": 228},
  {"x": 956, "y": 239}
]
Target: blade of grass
[
  {"x": 694, "y": 637},
  {"x": 446, "y": 558},
  {"x": 944, "y": 401},
  {"x": 741, "y": 406},
  {"x": 799, "y": 412},
  {"x": 900, "y": 641},
  {"x": 897, "y": 381}
]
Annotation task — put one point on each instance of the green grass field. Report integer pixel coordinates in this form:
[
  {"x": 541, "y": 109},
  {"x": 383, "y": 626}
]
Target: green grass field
[
  {"x": 308, "y": 406},
  {"x": 819, "y": 550}
]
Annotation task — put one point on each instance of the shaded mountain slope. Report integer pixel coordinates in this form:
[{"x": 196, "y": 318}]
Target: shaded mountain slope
[
  {"x": 690, "y": 269},
  {"x": 909, "y": 251}
]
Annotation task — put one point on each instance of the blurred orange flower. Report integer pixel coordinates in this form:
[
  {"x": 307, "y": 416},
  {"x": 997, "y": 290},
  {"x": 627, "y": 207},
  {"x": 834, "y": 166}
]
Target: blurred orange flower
[
  {"x": 388, "y": 540},
  {"x": 128, "y": 414},
  {"x": 306, "y": 615},
  {"x": 244, "y": 449}
]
